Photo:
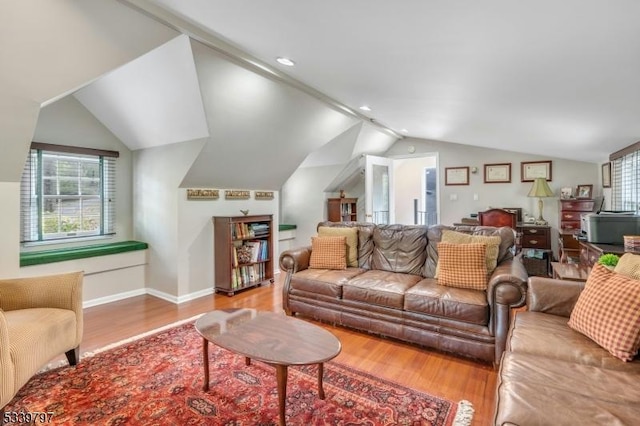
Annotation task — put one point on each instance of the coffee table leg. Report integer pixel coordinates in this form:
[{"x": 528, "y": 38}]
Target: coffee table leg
[
  {"x": 205, "y": 361},
  {"x": 281, "y": 374},
  {"x": 320, "y": 374}
]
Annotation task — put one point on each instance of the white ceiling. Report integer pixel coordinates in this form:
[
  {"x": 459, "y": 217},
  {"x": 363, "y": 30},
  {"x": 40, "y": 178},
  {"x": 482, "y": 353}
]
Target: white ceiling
[{"x": 547, "y": 77}]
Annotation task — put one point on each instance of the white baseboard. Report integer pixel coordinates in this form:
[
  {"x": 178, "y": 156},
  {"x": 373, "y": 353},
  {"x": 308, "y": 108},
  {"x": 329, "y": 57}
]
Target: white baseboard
[
  {"x": 113, "y": 298},
  {"x": 150, "y": 291}
]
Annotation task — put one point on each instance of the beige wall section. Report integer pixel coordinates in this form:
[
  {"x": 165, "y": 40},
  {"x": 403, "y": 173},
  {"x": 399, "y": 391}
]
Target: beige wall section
[{"x": 9, "y": 243}]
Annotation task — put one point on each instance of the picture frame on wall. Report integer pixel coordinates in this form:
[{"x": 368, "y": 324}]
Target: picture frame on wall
[
  {"x": 530, "y": 170},
  {"x": 606, "y": 175},
  {"x": 497, "y": 173},
  {"x": 584, "y": 191},
  {"x": 456, "y": 175}
]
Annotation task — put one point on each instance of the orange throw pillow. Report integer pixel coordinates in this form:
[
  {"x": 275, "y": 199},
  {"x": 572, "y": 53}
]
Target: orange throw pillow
[
  {"x": 328, "y": 253},
  {"x": 608, "y": 312},
  {"x": 462, "y": 265}
]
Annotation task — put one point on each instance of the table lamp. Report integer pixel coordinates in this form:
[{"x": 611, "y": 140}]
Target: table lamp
[{"x": 540, "y": 189}]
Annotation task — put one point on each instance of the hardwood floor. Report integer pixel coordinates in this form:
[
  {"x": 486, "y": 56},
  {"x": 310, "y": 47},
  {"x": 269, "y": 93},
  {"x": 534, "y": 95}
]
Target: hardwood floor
[{"x": 436, "y": 373}]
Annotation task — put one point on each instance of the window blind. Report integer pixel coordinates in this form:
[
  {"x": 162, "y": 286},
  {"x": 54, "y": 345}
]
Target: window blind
[
  {"x": 67, "y": 192},
  {"x": 625, "y": 181}
]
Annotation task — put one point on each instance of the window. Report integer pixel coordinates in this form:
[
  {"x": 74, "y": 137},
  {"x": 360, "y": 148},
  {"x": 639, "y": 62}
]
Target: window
[
  {"x": 625, "y": 179},
  {"x": 67, "y": 192}
]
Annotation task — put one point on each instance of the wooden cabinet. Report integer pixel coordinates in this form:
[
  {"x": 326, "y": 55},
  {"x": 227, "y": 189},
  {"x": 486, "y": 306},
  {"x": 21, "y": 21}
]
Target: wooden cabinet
[
  {"x": 570, "y": 215},
  {"x": 570, "y": 212},
  {"x": 591, "y": 252},
  {"x": 342, "y": 209},
  {"x": 535, "y": 241},
  {"x": 243, "y": 252}
]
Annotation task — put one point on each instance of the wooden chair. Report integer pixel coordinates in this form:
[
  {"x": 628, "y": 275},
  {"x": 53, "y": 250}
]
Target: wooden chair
[{"x": 499, "y": 218}]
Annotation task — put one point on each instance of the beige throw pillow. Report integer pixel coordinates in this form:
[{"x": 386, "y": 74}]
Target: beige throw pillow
[
  {"x": 629, "y": 265},
  {"x": 351, "y": 234}
]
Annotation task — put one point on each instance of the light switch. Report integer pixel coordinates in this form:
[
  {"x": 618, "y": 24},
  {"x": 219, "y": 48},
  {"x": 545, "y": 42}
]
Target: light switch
[
  {"x": 475, "y": 197},
  {"x": 453, "y": 197}
]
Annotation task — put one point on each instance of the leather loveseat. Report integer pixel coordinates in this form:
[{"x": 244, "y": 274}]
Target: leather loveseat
[
  {"x": 553, "y": 375},
  {"x": 393, "y": 292}
]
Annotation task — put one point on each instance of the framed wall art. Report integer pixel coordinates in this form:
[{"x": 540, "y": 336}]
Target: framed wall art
[
  {"x": 497, "y": 173},
  {"x": 606, "y": 175},
  {"x": 584, "y": 191},
  {"x": 456, "y": 175},
  {"x": 530, "y": 170}
]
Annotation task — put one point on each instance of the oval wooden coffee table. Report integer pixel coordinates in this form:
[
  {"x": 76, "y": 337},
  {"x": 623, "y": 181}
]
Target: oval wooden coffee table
[{"x": 274, "y": 339}]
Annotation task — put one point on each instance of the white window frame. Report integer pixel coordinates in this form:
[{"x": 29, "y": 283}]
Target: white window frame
[{"x": 34, "y": 197}]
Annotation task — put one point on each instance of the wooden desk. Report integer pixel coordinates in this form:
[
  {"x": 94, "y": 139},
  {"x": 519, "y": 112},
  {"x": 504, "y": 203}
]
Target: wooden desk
[{"x": 570, "y": 271}]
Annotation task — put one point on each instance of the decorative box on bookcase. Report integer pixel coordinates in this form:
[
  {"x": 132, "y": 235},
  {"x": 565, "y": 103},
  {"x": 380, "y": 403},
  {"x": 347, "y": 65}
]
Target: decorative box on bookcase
[{"x": 243, "y": 252}]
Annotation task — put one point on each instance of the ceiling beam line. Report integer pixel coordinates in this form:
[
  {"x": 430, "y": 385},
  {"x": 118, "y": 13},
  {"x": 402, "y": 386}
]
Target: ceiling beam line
[{"x": 239, "y": 57}]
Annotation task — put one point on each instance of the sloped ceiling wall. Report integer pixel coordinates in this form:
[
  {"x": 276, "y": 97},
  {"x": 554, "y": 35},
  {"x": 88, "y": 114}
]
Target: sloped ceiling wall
[{"x": 48, "y": 49}]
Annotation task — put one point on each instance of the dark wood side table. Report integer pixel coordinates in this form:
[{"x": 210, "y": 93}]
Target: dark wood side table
[
  {"x": 274, "y": 339},
  {"x": 570, "y": 271}
]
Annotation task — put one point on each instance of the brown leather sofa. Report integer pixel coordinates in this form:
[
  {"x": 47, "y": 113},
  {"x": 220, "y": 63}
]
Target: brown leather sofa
[
  {"x": 553, "y": 375},
  {"x": 392, "y": 292}
]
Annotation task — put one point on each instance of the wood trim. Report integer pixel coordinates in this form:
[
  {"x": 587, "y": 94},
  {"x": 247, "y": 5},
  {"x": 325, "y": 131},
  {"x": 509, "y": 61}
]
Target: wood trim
[
  {"x": 74, "y": 149},
  {"x": 625, "y": 151}
]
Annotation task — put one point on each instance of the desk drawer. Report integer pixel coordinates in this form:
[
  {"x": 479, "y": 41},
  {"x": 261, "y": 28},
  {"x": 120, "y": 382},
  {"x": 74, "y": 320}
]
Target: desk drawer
[
  {"x": 536, "y": 237},
  {"x": 577, "y": 205},
  {"x": 570, "y": 215}
]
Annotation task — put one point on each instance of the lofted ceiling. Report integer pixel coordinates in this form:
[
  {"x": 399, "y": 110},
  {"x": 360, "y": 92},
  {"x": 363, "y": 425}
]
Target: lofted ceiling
[{"x": 530, "y": 76}]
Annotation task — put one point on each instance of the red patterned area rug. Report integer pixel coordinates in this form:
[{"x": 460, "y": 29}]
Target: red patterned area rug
[{"x": 156, "y": 379}]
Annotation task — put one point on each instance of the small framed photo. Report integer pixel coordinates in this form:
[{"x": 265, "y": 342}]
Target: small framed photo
[
  {"x": 584, "y": 191},
  {"x": 456, "y": 175},
  {"x": 566, "y": 193},
  {"x": 530, "y": 170},
  {"x": 497, "y": 173},
  {"x": 606, "y": 175}
]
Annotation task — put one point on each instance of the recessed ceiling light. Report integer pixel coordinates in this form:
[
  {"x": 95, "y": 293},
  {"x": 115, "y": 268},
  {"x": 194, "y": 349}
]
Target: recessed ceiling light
[
  {"x": 404, "y": 131},
  {"x": 365, "y": 108},
  {"x": 285, "y": 61}
]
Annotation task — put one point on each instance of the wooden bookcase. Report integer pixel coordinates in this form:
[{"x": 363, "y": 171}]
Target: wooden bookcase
[
  {"x": 342, "y": 209},
  {"x": 243, "y": 252}
]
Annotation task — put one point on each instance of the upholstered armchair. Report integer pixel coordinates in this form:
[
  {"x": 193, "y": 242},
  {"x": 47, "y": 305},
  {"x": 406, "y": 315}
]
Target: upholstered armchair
[{"x": 40, "y": 318}]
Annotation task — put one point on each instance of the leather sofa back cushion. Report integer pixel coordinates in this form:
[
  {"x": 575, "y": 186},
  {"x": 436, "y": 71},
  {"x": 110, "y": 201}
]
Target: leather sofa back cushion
[
  {"x": 328, "y": 253},
  {"x": 608, "y": 312},
  {"x": 463, "y": 265},
  {"x": 399, "y": 248}
]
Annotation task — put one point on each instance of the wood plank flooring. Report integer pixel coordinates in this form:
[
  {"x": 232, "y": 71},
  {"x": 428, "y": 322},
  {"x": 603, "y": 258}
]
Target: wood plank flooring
[{"x": 435, "y": 373}]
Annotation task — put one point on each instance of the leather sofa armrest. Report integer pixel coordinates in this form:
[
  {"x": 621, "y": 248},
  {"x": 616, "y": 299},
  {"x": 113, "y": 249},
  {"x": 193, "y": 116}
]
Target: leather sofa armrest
[
  {"x": 507, "y": 289},
  {"x": 508, "y": 284},
  {"x": 294, "y": 260},
  {"x": 551, "y": 296}
]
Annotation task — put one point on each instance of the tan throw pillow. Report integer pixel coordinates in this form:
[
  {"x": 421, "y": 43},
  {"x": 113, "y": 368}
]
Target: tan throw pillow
[
  {"x": 492, "y": 243},
  {"x": 608, "y": 312},
  {"x": 328, "y": 253},
  {"x": 462, "y": 265},
  {"x": 629, "y": 265},
  {"x": 351, "y": 235}
]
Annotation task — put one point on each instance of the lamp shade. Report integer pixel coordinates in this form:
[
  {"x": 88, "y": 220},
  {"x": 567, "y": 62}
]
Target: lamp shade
[{"x": 540, "y": 188}]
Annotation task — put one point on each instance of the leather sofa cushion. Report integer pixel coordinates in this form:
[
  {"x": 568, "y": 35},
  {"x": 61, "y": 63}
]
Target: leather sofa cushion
[
  {"x": 327, "y": 282},
  {"x": 547, "y": 335},
  {"x": 399, "y": 248},
  {"x": 534, "y": 390},
  {"x": 381, "y": 288},
  {"x": 466, "y": 305}
]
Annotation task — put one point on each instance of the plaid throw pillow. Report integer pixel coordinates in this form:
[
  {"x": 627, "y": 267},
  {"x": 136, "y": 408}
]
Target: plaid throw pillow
[
  {"x": 462, "y": 265},
  {"x": 352, "y": 240},
  {"x": 328, "y": 253},
  {"x": 608, "y": 312},
  {"x": 492, "y": 243}
]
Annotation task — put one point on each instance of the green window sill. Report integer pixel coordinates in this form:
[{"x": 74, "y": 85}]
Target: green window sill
[
  {"x": 284, "y": 227},
  {"x": 60, "y": 255}
]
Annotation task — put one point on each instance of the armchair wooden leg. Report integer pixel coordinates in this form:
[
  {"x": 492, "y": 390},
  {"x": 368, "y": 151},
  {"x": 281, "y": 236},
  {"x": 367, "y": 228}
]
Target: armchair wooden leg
[{"x": 73, "y": 355}]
